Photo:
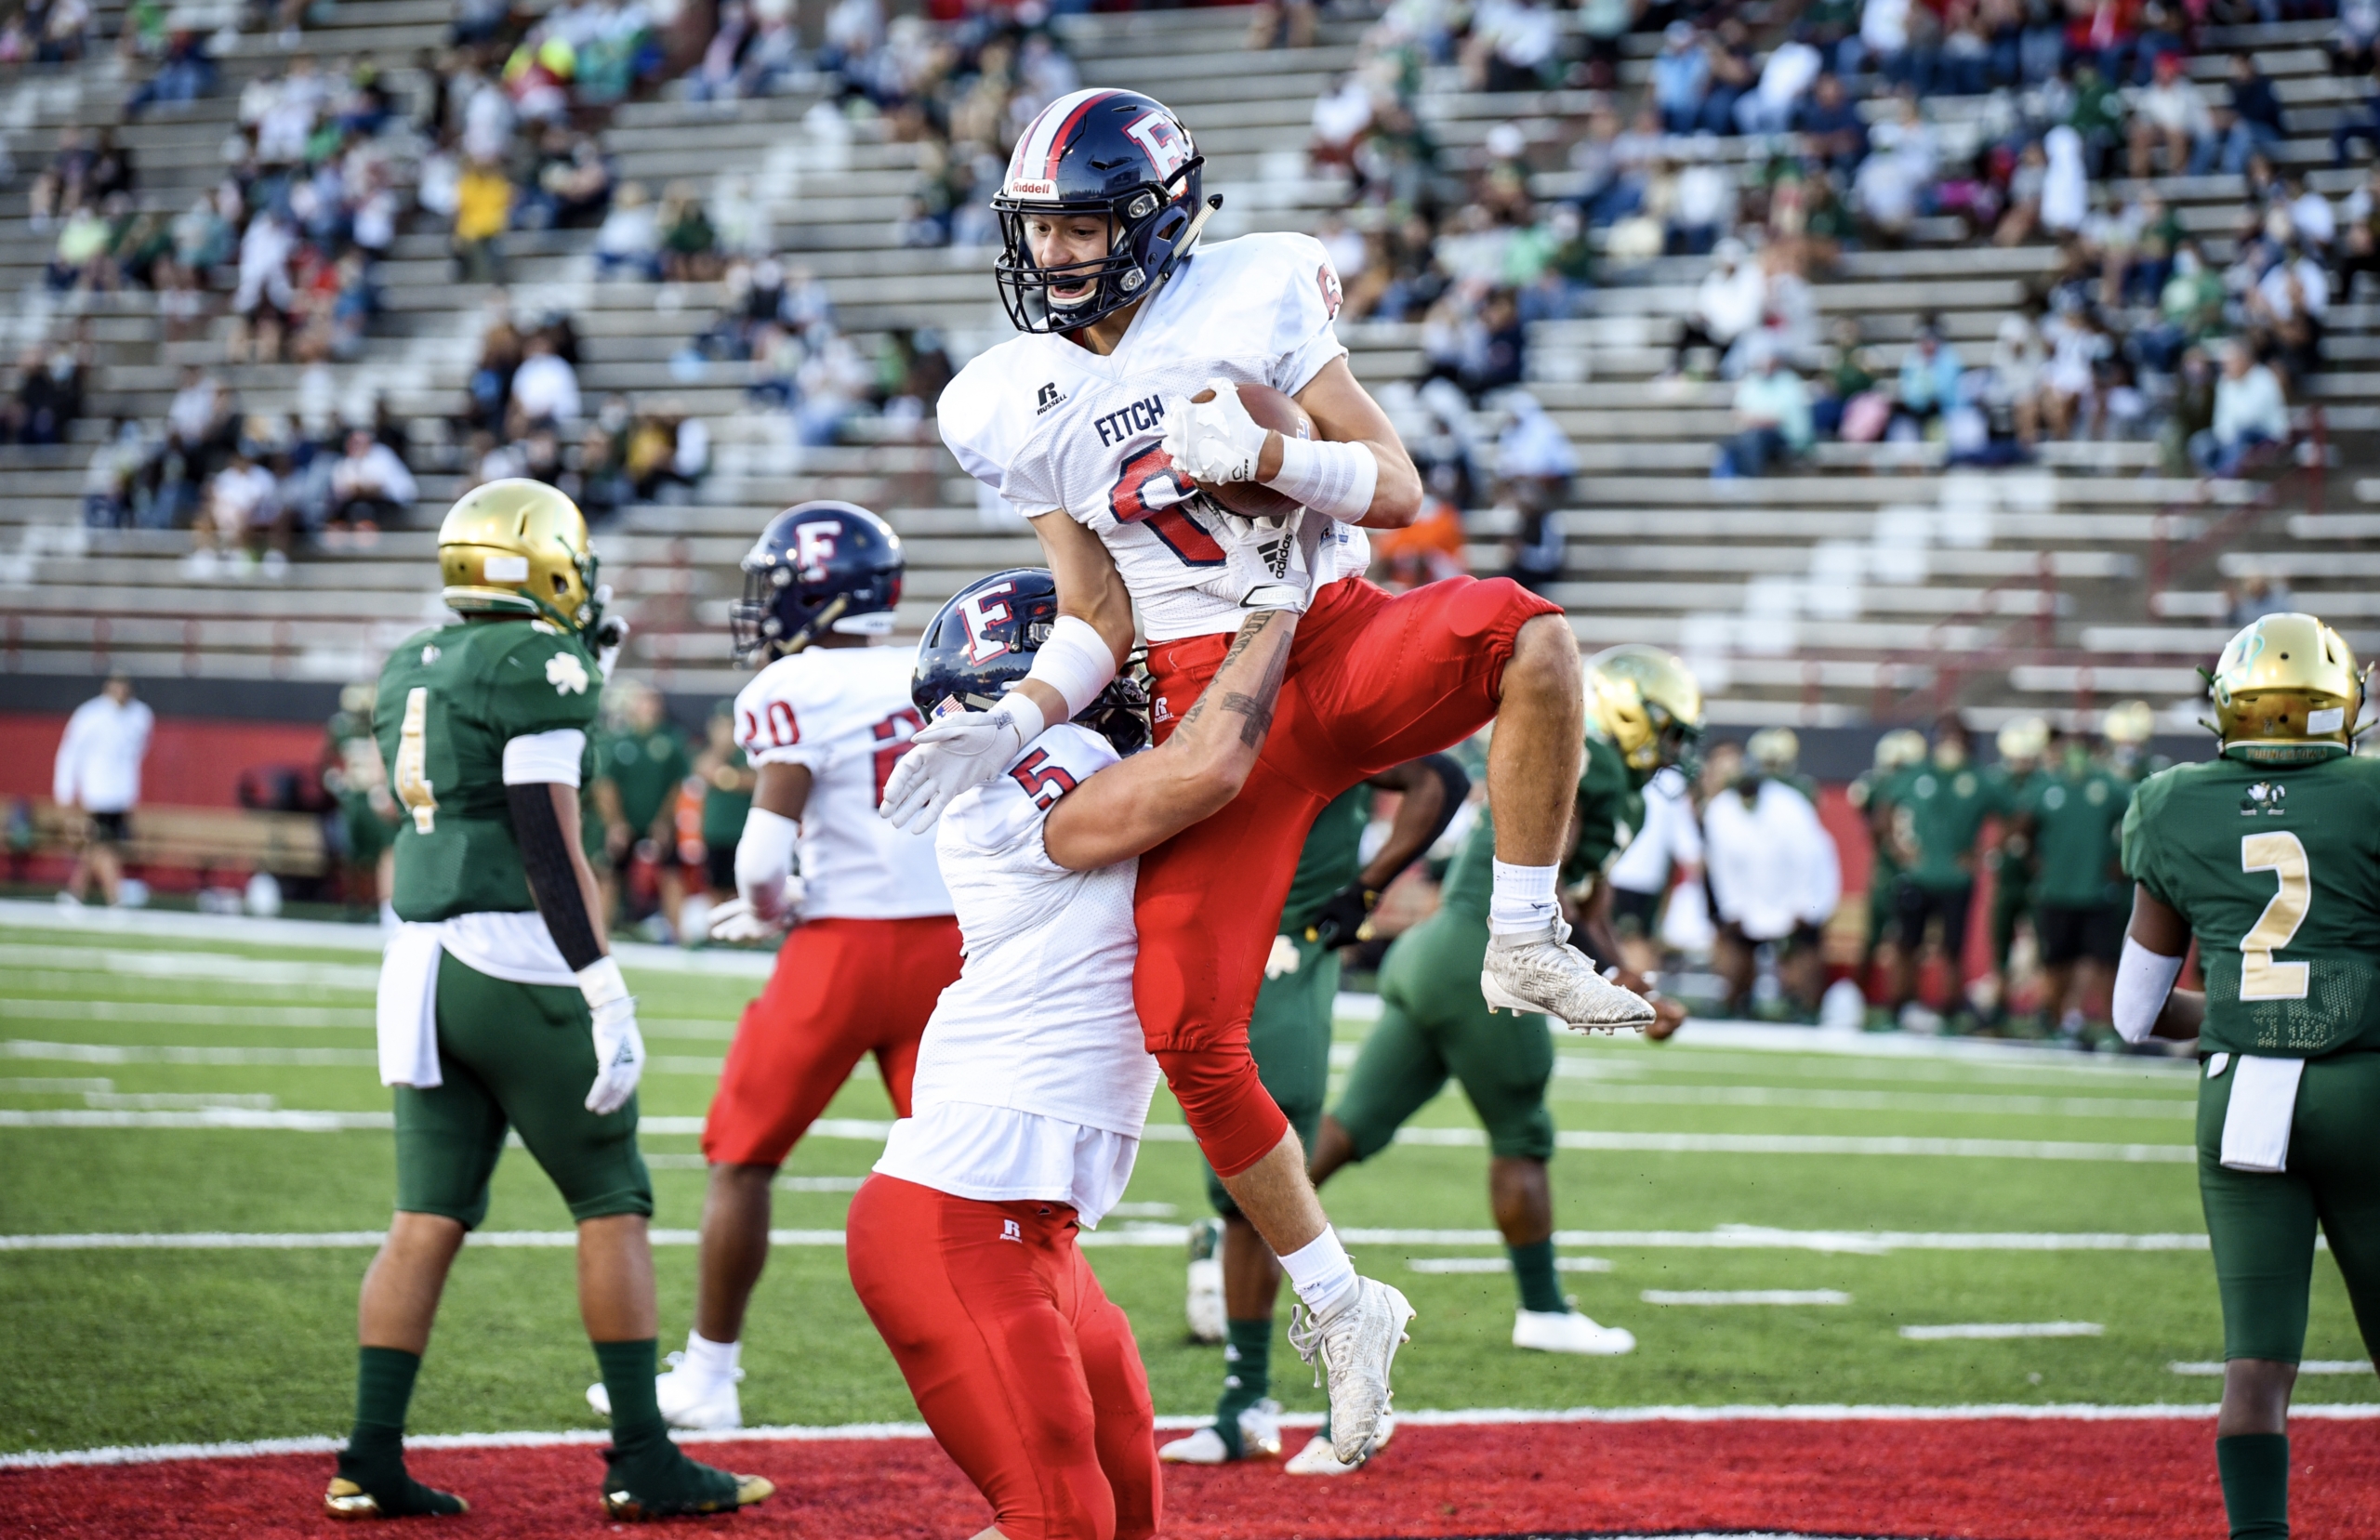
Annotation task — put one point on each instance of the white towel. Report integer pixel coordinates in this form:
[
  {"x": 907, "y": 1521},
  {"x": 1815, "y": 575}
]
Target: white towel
[
  {"x": 2264, "y": 1103},
  {"x": 408, "y": 1007}
]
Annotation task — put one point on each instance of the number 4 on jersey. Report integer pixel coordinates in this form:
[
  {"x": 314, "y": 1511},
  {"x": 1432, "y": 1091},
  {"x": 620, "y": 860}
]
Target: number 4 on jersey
[
  {"x": 2260, "y": 977},
  {"x": 413, "y": 789}
]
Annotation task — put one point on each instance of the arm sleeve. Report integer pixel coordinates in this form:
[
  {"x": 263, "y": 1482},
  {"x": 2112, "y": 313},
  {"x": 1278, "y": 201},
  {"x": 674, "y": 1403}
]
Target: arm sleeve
[
  {"x": 553, "y": 877},
  {"x": 1304, "y": 340}
]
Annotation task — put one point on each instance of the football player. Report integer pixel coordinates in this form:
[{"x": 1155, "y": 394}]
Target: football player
[
  {"x": 1032, "y": 1084},
  {"x": 1433, "y": 1023},
  {"x": 2269, "y": 856},
  {"x": 1330, "y": 906},
  {"x": 872, "y": 939},
  {"x": 500, "y": 1007},
  {"x": 2014, "y": 781},
  {"x": 1086, "y": 425}
]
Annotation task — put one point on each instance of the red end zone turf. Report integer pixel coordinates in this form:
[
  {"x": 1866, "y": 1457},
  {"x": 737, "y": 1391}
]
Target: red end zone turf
[{"x": 1994, "y": 1479}]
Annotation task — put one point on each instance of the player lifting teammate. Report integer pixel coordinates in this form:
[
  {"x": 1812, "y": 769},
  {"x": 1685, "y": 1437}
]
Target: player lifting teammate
[
  {"x": 500, "y": 1007},
  {"x": 872, "y": 940},
  {"x": 2269, "y": 856},
  {"x": 1086, "y": 425},
  {"x": 1032, "y": 1084}
]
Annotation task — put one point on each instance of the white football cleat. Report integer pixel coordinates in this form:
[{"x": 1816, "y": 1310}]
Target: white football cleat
[
  {"x": 1568, "y": 1332},
  {"x": 691, "y": 1400},
  {"x": 1204, "y": 1301},
  {"x": 1541, "y": 971},
  {"x": 1317, "y": 1458},
  {"x": 1357, "y": 1345},
  {"x": 1260, "y": 1436}
]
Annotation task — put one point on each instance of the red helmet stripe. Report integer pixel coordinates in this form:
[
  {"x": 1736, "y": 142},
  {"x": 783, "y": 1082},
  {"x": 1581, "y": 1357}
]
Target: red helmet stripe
[{"x": 1058, "y": 138}]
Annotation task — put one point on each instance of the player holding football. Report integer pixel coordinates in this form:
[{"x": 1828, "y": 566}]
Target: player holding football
[
  {"x": 1032, "y": 1083},
  {"x": 1086, "y": 425},
  {"x": 500, "y": 1007},
  {"x": 872, "y": 942},
  {"x": 2270, "y": 855}
]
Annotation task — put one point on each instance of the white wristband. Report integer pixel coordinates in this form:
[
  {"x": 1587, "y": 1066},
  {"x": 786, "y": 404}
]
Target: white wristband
[
  {"x": 1333, "y": 480},
  {"x": 1076, "y": 661},
  {"x": 2144, "y": 980},
  {"x": 764, "y": 857},
  {"x": 1026, "y": 713},
  {"x": 601, "y": 982}
]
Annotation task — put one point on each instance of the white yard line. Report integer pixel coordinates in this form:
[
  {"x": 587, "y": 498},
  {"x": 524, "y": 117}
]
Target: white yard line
[
  {"x": 1501, "y": 1264},
  {"x": 1744, "y": 1297},
  {"x": 2214, "y": 1368},
  {"x": 169, "y": 1013},
  {"x": 149, "y": 1053},
  {"x": 323, "y": 1443},
  {"x": 227, "y": 967},
  {"x": 2013, "y": 1105},
  {"x": 1995, "y": 1331}
]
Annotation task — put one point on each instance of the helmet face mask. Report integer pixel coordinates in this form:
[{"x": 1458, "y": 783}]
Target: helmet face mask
[
  {"x": 2287, "y": 691},
  {"x": 1117, "y": 156}
]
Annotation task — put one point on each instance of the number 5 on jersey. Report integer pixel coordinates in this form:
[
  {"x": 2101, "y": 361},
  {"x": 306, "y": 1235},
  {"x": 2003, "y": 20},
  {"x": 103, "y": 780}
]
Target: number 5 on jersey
[
  {"x": 2260, "y": 977},
  {"x": 1042, "y": 782}
]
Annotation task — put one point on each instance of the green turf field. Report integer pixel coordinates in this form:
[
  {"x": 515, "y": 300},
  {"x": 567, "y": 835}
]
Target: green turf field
[{"x": 141, "y": 1346}]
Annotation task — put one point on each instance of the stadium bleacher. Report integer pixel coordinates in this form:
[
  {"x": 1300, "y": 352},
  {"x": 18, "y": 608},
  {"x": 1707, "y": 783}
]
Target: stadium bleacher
[{"x": 1871, "y": 585}]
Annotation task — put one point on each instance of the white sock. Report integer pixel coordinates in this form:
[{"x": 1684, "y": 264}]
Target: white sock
[
  {"x": 1523, "y": 900},
  {"x": 1322, "y": 1273},
  {"x": 714, "y": 1358}
]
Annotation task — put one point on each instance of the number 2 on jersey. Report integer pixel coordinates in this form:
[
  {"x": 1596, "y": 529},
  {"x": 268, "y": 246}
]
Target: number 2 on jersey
[
  {"x": 2260, "y": 977},
  {"x": 413, "y": 762}
]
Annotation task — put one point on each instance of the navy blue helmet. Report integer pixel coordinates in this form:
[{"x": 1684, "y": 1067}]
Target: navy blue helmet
[
  {"x": 982, "y": 642},
  {"x": 817, "y": 567},
  {"x": 1117, "y": 153}
]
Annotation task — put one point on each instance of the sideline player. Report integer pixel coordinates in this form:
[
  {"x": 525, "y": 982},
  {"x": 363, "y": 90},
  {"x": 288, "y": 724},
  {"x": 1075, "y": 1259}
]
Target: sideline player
[
  {"x": 499, "y": 1000},
  {"x": 1033, "y": 1085},
  {"x": 872, "y": 942},
  {"x": 1433, "y": 1023},
  {"x": 1085, "y": 427},
  {"x": 1330, "y": 906},
  {"x": 2270, "y": 855}
]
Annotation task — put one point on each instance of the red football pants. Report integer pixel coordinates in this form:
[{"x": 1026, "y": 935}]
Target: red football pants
[
  {"x": 1025, "y": 1370},
  {"x": 840, "y": 989},
  {"x": 1374, "y": 680}
]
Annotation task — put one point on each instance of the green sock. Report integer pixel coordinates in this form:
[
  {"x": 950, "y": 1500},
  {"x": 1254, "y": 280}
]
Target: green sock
[
  {"x": 1533, "y": 1269},
  {"x": 384, "y": 1379},
  {"x": 2256, "y": 1484},
  {"x": 1248, "y": 1376},
  {"x": 628, "y": 1376}
]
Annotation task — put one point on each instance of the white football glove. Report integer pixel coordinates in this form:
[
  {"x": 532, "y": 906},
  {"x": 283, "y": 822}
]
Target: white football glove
[
  {"x": 619, "y": 1047},
  {"x": 1266, "y": 567},
  {"x": 954, "y": 751},
  {"x": 739, "y": 919},
  {"x": 1213, "y": 441}
]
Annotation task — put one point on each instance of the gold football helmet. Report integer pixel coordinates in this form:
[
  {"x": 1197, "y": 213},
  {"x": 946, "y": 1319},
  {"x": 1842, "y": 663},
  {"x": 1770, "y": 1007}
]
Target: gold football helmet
[
  {"x": 2129, "y": 722},
  {"x": 1645, "y": 702},
  {"x": 1898, "y": 749},
  {"x": 2286, "y": 692},
  {"x": 520, "y": 546},
  {"x": 2023, "y": 740},
  {"x": 1775, "y": 749}
]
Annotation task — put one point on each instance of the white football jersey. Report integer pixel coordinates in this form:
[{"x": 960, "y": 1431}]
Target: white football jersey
[
  {"x": 843, "y": 713},
  {"x": 1041, "y": 1018},
  {"x": 1050, "y": 425}
]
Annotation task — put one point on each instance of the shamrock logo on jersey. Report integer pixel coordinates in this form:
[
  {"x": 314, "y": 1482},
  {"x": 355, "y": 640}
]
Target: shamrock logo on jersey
[
  {"x": 566, "y": 674},
  {"x": 2266, "y": 796}
]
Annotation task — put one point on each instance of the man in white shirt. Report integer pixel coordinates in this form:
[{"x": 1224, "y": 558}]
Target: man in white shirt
[
  {"x": 1775, "y": 877},
  {"x": 369, "y": 485},
  {"x": 243, "y": 511},
  {"x": 545, "y": 388},
  {"x": 2248, "y": 411},
  {"x": 97, "y": 774}
]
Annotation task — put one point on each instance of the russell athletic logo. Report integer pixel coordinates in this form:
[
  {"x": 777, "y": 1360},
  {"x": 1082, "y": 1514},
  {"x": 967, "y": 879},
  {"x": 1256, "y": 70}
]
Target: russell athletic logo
[
  {"x": 1010, "y": 1231},
  {"x": 1050, "y": 396}
]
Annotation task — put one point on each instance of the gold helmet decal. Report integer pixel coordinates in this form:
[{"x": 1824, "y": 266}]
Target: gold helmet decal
[
  {"x": 2286, "y": 692},
  {"x": 2023, "y": 739},
  {"x": 519, "y": 546},
  {"x": 1645, "y": 702}
]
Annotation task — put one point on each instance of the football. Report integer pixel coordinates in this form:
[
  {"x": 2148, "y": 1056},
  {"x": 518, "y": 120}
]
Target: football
[{"x": 1280, "y": 412}]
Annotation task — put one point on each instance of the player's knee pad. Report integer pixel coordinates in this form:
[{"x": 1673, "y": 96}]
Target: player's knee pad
[{"x": 1236, "y": 1120}]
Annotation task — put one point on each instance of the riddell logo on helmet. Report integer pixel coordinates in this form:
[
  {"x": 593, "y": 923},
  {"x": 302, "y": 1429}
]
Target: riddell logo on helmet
[{"x": 1025, "y": 187}]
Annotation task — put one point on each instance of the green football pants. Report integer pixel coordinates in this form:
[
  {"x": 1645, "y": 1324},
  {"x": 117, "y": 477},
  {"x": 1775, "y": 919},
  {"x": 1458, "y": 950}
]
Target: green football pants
[
  {"x": 513, "y": 1056},
  {"x": 1434, "y": 1025},
  {"x": 1288, "y": 1033},
  {"x": 2262, "y": 1224}
]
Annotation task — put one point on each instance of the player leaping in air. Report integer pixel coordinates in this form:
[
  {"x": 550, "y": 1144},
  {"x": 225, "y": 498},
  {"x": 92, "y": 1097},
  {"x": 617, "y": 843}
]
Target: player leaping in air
[
  {"x": 872, "y": 942},
  {"x": 1085, "y": 426}
]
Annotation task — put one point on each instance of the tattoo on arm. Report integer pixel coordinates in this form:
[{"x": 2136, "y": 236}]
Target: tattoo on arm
[{"x": 1257, "y": 709}]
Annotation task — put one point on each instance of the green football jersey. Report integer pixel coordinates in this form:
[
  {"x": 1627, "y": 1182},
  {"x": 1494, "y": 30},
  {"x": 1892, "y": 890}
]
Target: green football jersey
[
  {"x": 1332, "y": 858},
  {"x": 1867, "y": 793},
  {"x": 2012, "y": 860},
  {"x": 2077, "y": 819},
  {"x": 1610, "y": 811},
  {"x": 450, "y": 700},
  {"x": 725, "y": 805},
  {"x": 2277, "y": 868},
  {"x": 647, "y": 767},
  {"x": 1945, "y": 809}
]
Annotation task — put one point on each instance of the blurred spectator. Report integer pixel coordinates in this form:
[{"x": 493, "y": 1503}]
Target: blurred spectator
[
  {"x": 2350, "y": 43},
  {"x": 1514, "y": 45},
  {"x": 261, "y": 305},
  {"x": 370, "y": 487},
  {"x": 184, "y": 74},
  {"x": 570, "y": 185},
  {"x": 2361, "y": 123},
  {"x": 1831, "y": 127},
  {"x": 1929, "y": 375},
  {"x": 631, "y": 236},
  {"x": 482, "y": 212},
  {"x": 1430, "y": 548},
  {"x": 1772, "y": 419},
  {"x": 48, "y": 396},
  {"x": 689, "y": 243},
  {"x": 1681, "y": 79},
  {"x": 2253, "y": 120},
  {"x": 1891, "y": 183},
  {"x": 2172, "y": 111},
  {"x": 2249, "y": 413},
  {"x": 1769, "y": 107},
  {"x": 1775, "y": 879},
  {"x": 2257, "y": 596},
  {"x": 1534, "y": 464},
  {"x": 1727, "y": 305},
  {"x": 2019, "y": 358},
  {"x": 97, "y": 774},
  {"x": 1342, "y": 115},
  {"x": 112, "y": 485},
  {"x": 243, "y": 515},
  {"x": 545, "y": 388}
]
